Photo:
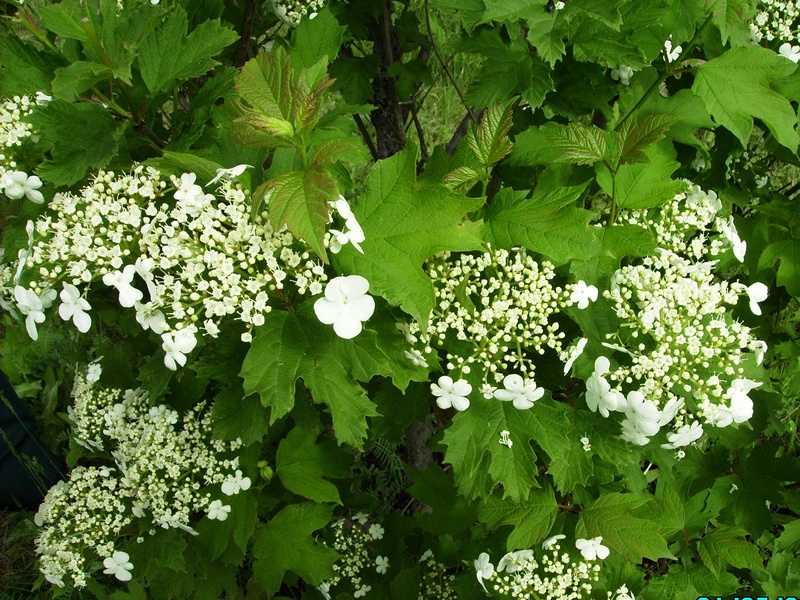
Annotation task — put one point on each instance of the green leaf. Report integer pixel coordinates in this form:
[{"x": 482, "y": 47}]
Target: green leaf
[
  {"x": 490, "y": 141},
  {"x": 450, "y": 512},
  {"x": 25, "y": 69},
  {"x": 301, "y": 463},
  {"x": 293, "y": 345},
  {"x": 285, "y": 544},
  {"x": 64, "y": 19},
  {"x": 786, "y": 251},
  {"x": 479, "y": 460},
  {"x": 736, "y": 87},
  {"x": 617, "y": 242},
  {"x": 80, "y": 136},
  {"x": 264, "y": 131},
  {"x": 315, "y": 38},
  {"x": 531, "y": 520},
  {"x": 579, "y": 144},
  {"x": 267, "y": 84},
  {"x": 546, "y": 32},
  {"x": 727, "y": 546},
  {"x": 636, "y": 138},
  {"x": 644, "y": 185},
  {"x": 238, "y": 417},
  {"x": 168, "y": 55},
  {"x": 70, "y": 82},
  {"x": 300, "y": 200},
  {"x": 548, "y": 222},
  {"x": 404, "y": 225},
  {"x": 728, "y": 13},
  {"x": 623, "y": 520},
  {"x": 183, "y": 162}
]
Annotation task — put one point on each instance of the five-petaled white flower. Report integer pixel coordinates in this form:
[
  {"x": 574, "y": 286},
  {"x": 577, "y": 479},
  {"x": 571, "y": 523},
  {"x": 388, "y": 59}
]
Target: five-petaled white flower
[
  {"x": 599, "y": 395},
  {"x": 672, "y": 53},
  {"x": 74, "y": 307},
  {"x": 121, "y": 280},
  {"x": 451, "y": 394},
  {"x": 523, "y": 393},
  {"x": 177, "y": 344},
  {"x": 684, "y": 436},
  {"x": 381, "y": 564},
  {"x": 592, "y": 549},
  {"x": 791, "y": 52},
  {"x": 514, "y": 561},
  {"x": 484, "y": 569},
  {"x": 552, "y": 541},
  {"x": 345, "y": 305},
  {"x": 376, "y": 531},
  {"x": 118, "y": 565},
  {"x": 235, "y": 484},
  {"x": 218, "y": 511},
  {"x": 575, "y": 353},
  {"x": 415, "y": 356},
  {"x": 17, "y": 184},
  {"x": 757, "y": 292},
  {"x": 33, "y": 307},
  {"x": 582, "y": 294},
  {"x": 231, "y": 173}
]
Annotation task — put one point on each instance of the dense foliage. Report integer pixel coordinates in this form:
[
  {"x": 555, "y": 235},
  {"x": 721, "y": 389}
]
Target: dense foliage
[{"x": 301, "y": 332}]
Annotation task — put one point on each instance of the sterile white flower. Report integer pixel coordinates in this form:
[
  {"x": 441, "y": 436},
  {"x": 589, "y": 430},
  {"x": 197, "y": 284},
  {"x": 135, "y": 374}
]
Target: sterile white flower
[
  {"x": 759, "y": 348},
  {"x": 451, "y": 394},
  {"x": 376, "y": 531},
  {"x": 575, "y": 353},
  {"x": 121, "y": 280},
  {"x": 17, "y": 184},
  {"x": 623, "y": 74},
  {"x": 552, "y": 541},
  {"x": 190, "y": 195},
  {"x": 729, "y": 232},
  {"x": 362, "y": 591},
  {"x": 484, "y": 568},
  {"x": 523, "y": 393},
  {"x": 381, "y": 564},
  {"x": 791, "y": 52},
  {"x": 757, "y": 292},
  {"x": 345, "y": 305},
  {"x": 599, "y": 395},
  {"x": 623, "y": 593},
  {"x": 741, "y": 407},
  {"x": 231, "y": 173},
  {"x": 118, "y": 565},
  {"x": 672, "y": 53},
  {"x": 235, "y": 484},
  {"x": 218, "y": 511},
  {"x": 93, "y": 372},
  {"x": 415, "y": 356},
  {"x": 643, "y": 414},
  {"x": 513, "y": 561},
  {"x": 592, "y": 549},
  {"x": 33, "y": 307},
  {"x": 684, "y": 436},
  {"x": 177, "y": 344},
  {"x": 74, "y": 307},
  {"x": 582, "y": 294}
]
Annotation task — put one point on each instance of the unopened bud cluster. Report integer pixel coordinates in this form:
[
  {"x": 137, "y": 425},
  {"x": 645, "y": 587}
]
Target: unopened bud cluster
[
  {"x": 678, "y": 345},
  {"x": 498, "y": 308},
  {"x": 776, "y": 20},
  {"x": 436, "y": 582},
  {"x": 159, "y": 469},
  {"x": 354, "y": 539},
  {"x": 293, "y": 11},
  {"x": 184, "y": 259}
]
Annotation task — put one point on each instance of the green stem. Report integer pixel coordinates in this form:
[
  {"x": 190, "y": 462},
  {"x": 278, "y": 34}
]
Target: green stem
[{"x": 28, "y": 24}]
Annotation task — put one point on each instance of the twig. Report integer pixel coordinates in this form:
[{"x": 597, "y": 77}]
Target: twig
[
  {"x": 444, "y": 64},
  {"x": 423, "y": 147},
  {"x": 150, "y": 134},
  {"x": 461, "y": 131},
  {"x": 366, "y": 136},
  {"x": 247, "y": 29}
]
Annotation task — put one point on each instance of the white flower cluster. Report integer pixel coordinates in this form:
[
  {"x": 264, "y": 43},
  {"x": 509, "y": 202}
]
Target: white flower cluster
[
  {"x": 354, "y": 540},
  {"x": 680, "y": 351},
  {"x": 436, "y": 581},
  {"x": 499, "y": 309},
  {"x": 162, "y": 466},
  {"x": 15, "y": 133},
  {"x": 292, "y": 11},
  {"x": 555, "y": 575},
  {"x": 776, "y": 20},
  {"x": 201, "y": 258}
]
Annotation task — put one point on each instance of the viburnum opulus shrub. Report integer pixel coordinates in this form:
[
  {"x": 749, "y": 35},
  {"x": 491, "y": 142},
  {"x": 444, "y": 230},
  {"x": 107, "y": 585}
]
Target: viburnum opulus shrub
[{"x": 289, "y": 347}]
